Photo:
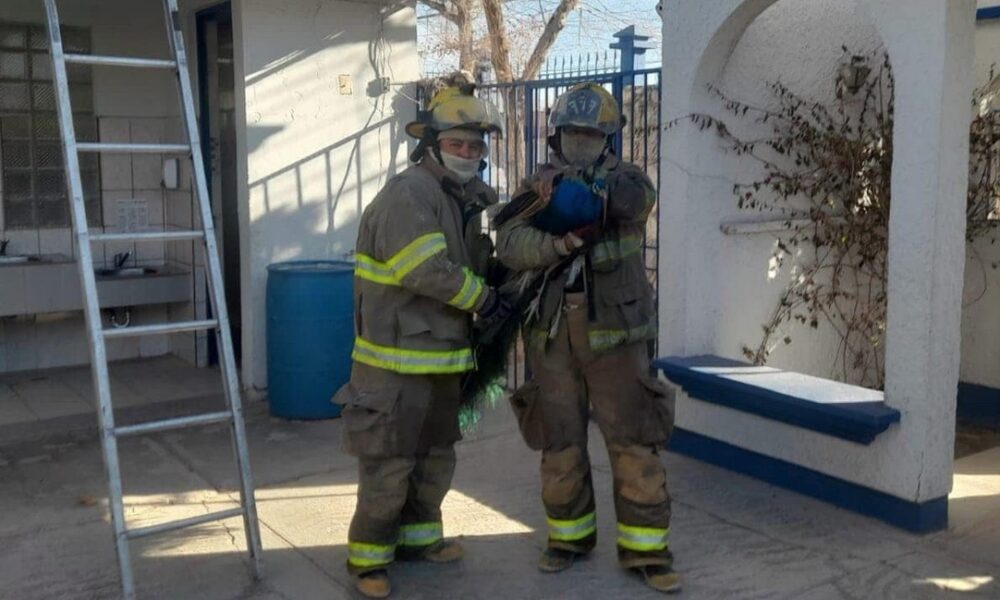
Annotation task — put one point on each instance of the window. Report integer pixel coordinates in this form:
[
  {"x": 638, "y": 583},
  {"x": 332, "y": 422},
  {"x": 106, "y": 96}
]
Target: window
[{"x": 32, "y": 177}]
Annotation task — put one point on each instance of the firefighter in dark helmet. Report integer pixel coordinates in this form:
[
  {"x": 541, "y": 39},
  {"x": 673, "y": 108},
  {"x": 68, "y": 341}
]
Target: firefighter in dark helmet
[{"x": 587, "y": 341}]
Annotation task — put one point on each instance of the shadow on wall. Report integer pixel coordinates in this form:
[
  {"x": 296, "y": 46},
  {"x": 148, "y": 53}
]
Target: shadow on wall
[
  {"x": 292, "y": 78},
  {"x": 305, "y": 215},
  {"x": 343, "y": 180}
]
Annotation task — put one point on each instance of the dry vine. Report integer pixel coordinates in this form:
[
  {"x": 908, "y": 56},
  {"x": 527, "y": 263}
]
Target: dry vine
[{"x": 827, "y": 171}]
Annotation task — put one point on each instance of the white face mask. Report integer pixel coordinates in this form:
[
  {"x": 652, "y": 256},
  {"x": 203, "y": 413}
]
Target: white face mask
[
  {"x": 581, "y": 150},
  {"x": 463, "y": 168}
]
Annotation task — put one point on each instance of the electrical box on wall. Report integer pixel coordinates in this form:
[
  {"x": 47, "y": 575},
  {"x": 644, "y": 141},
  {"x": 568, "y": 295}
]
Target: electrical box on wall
[
  {"x": 344, "y": 83},
  {"x": 379, "y": 86}
]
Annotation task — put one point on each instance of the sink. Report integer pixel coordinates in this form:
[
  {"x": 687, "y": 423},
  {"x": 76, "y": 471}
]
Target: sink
[
  {"x": 17, "y": 259},
  {"x": 125, "y": 272}
]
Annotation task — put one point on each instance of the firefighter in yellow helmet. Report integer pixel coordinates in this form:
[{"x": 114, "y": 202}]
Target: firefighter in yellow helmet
[
  {"x": 587, "y": 340},
  {"x": 421, "y": 258}
]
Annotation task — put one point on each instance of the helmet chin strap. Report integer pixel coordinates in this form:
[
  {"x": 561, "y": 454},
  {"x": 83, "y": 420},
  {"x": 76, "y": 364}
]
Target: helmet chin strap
[{"x": 430, "y": 138}]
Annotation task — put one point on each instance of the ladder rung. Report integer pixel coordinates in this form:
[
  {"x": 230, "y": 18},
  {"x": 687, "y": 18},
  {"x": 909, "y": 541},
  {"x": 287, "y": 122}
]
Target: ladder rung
[
  {"x": 177, "y": 423},
  {"x": 179, "y": 327},
  {"x": 135, "y": 148},
  {"x": 120, "y": 61},
  {"x": 183, "y": 523},
  {"x": 149, "y": 236}
]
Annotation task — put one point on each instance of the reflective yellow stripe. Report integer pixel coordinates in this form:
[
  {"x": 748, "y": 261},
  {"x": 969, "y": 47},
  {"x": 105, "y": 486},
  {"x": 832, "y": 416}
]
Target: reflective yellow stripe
[
  {"x": 571, "y": 531},
  {"x": 412, "y": 362},
  {"x": 416, "y": 253},
  {"x": 616, "y": 249},
  {"x": 642, "y": 539},
  {"x": 421, "y": 534},
  {"x": 372, "y": 270},
  {"x": 360, "y": 554},
  {"x": 468, "y": 296},
  {"x": 605, "y": 339},
  {"x": 403, "y": 262}
]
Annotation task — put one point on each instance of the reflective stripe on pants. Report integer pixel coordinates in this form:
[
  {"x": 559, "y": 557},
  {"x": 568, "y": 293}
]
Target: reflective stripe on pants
[
  {"x": 364, "y": 555},
  {"x": 642, "y": 539},
  {"x": 571, "y": 531},
  {"x": 421, "y": 534}
]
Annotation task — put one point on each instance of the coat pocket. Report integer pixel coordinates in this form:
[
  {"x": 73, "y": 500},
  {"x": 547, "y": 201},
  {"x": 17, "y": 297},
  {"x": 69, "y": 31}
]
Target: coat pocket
[
  {"x": 527, "y": 408},
  {"x": 425, "y": 317},
  {"x": 371, "y": 421},
  {"x": 660, "y": 400}
]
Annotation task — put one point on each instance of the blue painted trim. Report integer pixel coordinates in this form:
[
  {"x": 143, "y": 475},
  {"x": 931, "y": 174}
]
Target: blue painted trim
[
  {"x": 922, "y": 517},
  {"x": 978, "y": 405},
  {"x": 987, "y": 13},
  {"x": 857, "y": 422}
]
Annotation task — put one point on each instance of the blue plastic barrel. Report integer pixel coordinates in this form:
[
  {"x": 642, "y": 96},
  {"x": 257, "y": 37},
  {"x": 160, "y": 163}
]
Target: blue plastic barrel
[{"x": 310, "y": 333}]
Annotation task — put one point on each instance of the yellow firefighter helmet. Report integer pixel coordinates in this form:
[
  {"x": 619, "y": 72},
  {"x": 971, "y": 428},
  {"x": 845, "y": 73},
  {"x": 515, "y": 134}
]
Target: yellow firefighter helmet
[{"x": 456, "y": 107}]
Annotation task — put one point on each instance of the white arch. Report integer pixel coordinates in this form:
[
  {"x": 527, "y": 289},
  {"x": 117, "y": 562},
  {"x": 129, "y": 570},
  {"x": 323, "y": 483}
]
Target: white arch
[{"x": 931, "y": 46}]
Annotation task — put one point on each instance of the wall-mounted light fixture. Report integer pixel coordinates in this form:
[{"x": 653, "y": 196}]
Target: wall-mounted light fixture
[{"x": 852, "y": 75}]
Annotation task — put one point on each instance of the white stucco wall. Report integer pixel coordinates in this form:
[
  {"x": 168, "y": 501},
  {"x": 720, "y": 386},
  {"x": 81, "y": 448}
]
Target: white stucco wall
[
  {"x": 314, "y": 156},
  {"x": 799, "y": 43},
  {"x": 981, "y": 312},
  {"x": 715, "y": 287}
]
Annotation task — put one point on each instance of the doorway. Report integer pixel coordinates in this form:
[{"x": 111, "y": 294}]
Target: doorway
[{"x": 216, "y": 84}]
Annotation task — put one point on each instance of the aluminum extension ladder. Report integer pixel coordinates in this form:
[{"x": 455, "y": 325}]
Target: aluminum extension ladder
[{"x": 109, "y": 433}]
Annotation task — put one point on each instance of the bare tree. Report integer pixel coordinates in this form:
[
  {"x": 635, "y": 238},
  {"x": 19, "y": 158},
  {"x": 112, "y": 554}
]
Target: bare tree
[
  {"x": 462, "y": 14},
  {"x": 517, "y": 35},
  {"x": 499, "y": 34}
]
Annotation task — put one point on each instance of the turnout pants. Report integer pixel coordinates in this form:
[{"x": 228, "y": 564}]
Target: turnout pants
[
  {"x": 634, "y": 412},
  {"x": 403, "y": 429}
]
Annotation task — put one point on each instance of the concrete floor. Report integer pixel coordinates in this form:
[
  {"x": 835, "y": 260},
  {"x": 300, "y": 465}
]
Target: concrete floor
[
  {"x": 33, "y": 396},
  {"x": 733, "y": 537}
]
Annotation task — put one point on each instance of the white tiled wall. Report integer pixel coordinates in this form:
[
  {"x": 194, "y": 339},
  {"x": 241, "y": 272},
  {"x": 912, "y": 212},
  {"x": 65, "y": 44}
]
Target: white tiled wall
[
  {"x": 43, "y": 341},
  {"x": 179, "y": 213}
]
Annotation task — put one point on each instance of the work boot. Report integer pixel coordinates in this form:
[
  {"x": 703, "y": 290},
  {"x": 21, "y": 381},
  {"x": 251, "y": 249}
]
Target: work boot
[
  {"x": 661, "y": 578},
  {"x": 440, "y": 552},
  {"x": 374, "y": 584},
  {"x": 445, "y": 551},
  {"x": 554, "y": 560}
]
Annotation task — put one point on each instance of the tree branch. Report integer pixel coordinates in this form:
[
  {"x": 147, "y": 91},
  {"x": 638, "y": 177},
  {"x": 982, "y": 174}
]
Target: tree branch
[
  {"x": 444, "y": 9},
  {"x": 500, "y": 54},
  {"x": 554, "y": 25},
  {"x": 466, "y": 37}
]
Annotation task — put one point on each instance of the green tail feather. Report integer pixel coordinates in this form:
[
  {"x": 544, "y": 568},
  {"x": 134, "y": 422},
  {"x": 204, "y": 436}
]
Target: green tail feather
[{"x": 485, "y": 386}]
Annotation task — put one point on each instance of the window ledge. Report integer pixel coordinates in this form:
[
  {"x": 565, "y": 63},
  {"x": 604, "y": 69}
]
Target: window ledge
[{"x": 838, "y": 409}]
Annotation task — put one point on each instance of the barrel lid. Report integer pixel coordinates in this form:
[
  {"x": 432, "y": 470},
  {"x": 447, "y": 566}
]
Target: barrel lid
[{"x": 312, "y": 266}]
